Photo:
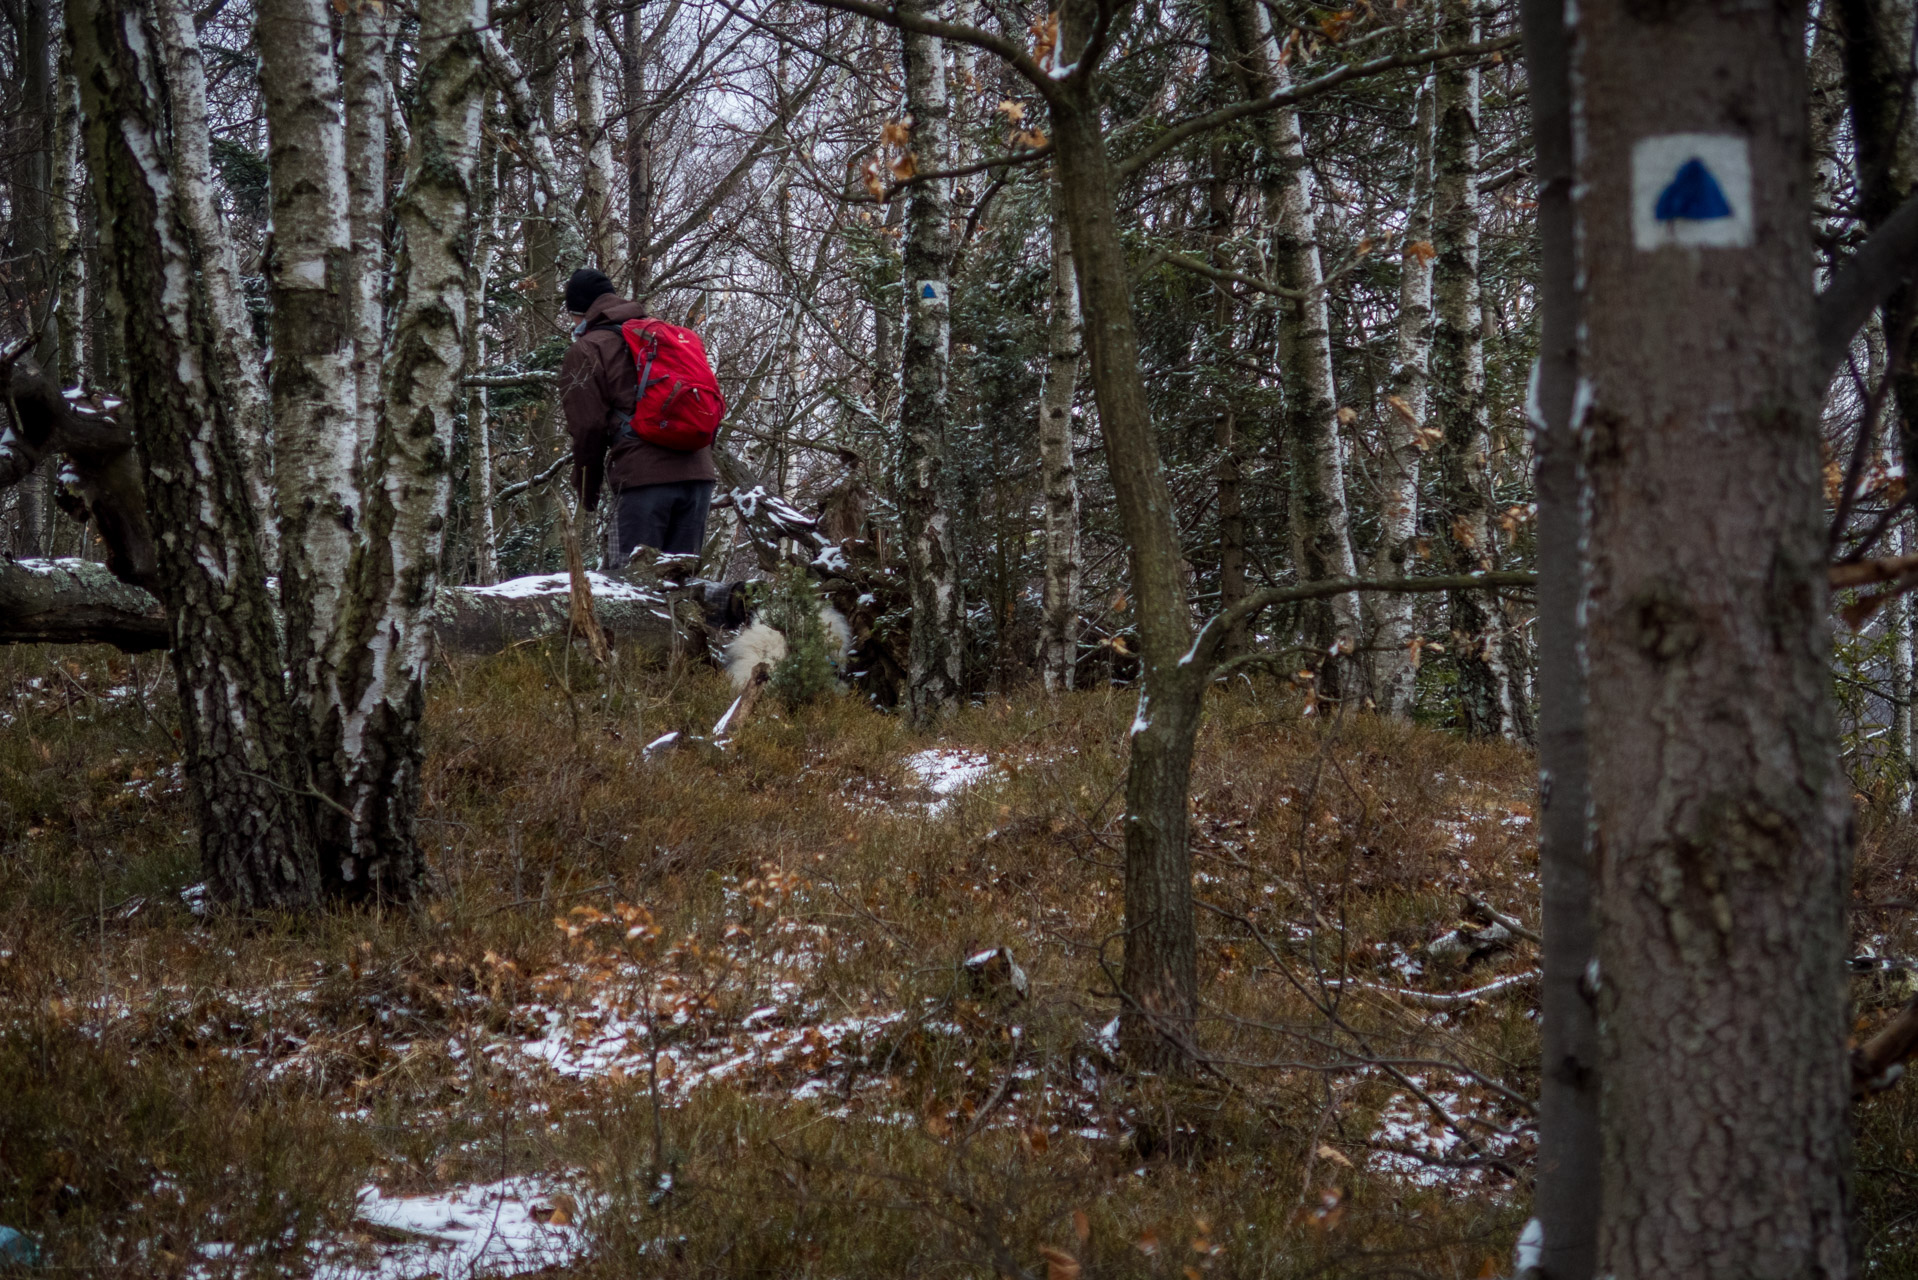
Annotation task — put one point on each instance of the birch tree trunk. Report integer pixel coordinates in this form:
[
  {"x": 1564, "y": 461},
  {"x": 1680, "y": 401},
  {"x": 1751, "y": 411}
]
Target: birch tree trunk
[
  {"x": 1392, "y": 625},
  {"x": 237, "y": 724},
  {"x": 478, "y": 408},
  {"x": 381, "y": 648},
  {"x": 31, "y": 224},
  {"x": 312, "y": 284},
  {"x": 363, "y": 54},
  {"x": 1721, "y": 813},
  {"x": 209, "y": 246},
  {"x": 1458, "y": 387},
  {"x": 1065, "y": 343},
  {"x": 67, "y": 246},
  {"x": 934, "y": 676},
  {"x": 1320, "y": 527},
  {"x": 595, "y": 143},
  {"x": 639, "y": 150},
  {"x": 1898, "y": 620}
]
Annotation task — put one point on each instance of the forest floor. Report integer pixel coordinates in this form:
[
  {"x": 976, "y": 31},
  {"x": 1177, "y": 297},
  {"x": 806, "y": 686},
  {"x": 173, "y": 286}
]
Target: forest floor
[{"x": 834, "y": 999}]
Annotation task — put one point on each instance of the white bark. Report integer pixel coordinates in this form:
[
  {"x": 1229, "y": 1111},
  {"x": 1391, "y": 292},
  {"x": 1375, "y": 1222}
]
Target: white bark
[
  {"x": 1059, "y": 626},
  {"x": 381, "y": 650},
  {"x": 550, "y": 193},
  {"x": 1898, "y": 619},
  {"x": 595, "y": 142},
  {"x": 234, "y": 712},
  {"x": 210, "y": 246},
  {"x": 310, "y": 277},
  {"x": 1458, "y": 396},
  {"x": 1393, "y": 681},
  {"x": 363, "y": 53},
  {"x": 67, "y": 249},
  {"x": 1321, "y": 533},
  {"x": 934, "y": 668}
]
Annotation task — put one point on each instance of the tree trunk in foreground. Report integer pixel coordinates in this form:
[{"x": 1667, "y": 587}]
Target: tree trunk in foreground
[
  {"x": 313, "y": 390},
  {"x": 1392, "y": 630},
  {"x": 381, "y": 649},
  {"x": 363, "y": 52},
  {"x": 1565, "y": 1202},
  {"x": 1065, "y": 341},
  {"x": 1722, "y": 824},
  {"x": 235, "y": 716},
  {"x": 191, "y": 161},
  {"x": 934, "y": 681},
  {"x": 1159, "y": 982}
]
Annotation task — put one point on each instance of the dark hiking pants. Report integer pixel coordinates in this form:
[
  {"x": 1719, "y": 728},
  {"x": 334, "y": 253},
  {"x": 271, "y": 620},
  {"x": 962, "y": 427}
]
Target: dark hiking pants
[{"x": 671, "y": 517}]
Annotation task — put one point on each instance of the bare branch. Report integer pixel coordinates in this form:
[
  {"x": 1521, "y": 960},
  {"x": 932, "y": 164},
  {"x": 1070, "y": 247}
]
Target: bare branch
[{"x": 1199, "y": 124}]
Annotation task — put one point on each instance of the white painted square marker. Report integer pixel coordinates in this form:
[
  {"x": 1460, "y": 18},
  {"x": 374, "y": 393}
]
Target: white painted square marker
[
  {"x": 1692, "y": 189},
  {"x": 931, "y": 293}
]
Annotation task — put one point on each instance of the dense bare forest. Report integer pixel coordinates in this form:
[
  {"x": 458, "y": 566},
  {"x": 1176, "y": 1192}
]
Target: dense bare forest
[{"x": 1289, "y": 655}]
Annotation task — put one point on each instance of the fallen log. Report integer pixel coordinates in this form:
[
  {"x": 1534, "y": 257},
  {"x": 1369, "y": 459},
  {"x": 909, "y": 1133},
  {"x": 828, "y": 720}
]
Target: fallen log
[
  {"x": 79, "y": 602},
  {"x": 76, "y": 602}
]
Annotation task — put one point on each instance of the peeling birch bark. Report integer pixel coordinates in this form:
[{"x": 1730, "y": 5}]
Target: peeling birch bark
[
  {"x": 363, "y": 52},
  {"x": 934, "y": 678},
  {"x": 1464, "y": 488},
  {"x": 67, "y": 247},
  {"x": 1321, "y": 533},
  {"x": 236, "y": 718},
  {"x": 1394, "y": 675},
  {"x": 1065, "y": 343},
  {"x": 595, "y": 143},
  {"x": 311, "y": 281},
  {"x": 522, "y": 109},
  {"x": 212, "y": 248},
  {"x": 380, "y": 651}
]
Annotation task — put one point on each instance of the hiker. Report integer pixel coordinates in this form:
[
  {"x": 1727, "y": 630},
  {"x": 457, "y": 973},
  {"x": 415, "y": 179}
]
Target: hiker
[{"x": 660, "y": 493}]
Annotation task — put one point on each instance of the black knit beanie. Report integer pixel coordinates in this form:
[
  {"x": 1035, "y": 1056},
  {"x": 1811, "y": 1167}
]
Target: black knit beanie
[{"x": 585, "y": 285}]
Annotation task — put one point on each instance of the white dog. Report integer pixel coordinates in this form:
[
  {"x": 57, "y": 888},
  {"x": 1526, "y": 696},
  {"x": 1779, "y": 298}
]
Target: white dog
[{"x": 761, "y": 642}]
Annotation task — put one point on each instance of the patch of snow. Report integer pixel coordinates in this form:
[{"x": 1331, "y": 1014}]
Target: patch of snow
[
  {"x": 495, "y": 1229},
  {"x": 947, "y": 771}
]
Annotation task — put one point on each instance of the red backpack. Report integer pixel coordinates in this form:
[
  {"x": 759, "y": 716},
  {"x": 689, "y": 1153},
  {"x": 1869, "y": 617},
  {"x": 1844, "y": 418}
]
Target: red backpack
[{"x": 679, "y": 405}]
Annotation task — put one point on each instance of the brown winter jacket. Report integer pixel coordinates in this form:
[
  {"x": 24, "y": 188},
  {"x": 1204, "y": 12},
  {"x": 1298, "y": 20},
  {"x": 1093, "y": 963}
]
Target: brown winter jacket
[{"x": 597, "y": 385}]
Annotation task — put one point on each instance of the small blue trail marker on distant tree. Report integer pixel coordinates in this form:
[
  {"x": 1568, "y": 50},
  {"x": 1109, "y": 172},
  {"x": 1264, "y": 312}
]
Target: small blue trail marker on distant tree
[{"x": 1691, "y": 190}]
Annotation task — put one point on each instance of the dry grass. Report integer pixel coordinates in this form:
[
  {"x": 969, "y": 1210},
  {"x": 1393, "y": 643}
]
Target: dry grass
[{"x": 773, "y": 1062}]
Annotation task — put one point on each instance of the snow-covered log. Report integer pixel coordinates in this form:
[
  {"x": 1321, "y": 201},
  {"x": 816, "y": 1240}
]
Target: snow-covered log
[
  {"x": 478, "y": 620},
  {"x": 80, "y": 602}
]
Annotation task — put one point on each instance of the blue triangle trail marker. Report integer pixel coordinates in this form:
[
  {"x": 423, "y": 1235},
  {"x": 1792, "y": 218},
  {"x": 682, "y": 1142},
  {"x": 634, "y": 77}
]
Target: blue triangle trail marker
[
  {"x": 1692, "y": 191},
  {"x": 1694, "y": 195}
]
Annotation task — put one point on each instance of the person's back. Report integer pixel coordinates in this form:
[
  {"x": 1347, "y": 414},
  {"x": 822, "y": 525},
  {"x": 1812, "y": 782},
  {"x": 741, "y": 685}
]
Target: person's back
[{"x": 660, "y": 495}]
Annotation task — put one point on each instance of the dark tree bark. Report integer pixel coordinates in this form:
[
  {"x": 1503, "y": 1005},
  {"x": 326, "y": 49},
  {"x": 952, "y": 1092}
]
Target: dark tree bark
[
  {"x": 1566, "y": 1199},
  {"x": 1722, "y": 832},
  {"x": 1159, "y": 983},
  {"x": 105, "y": 485},
  {"x": 237, "y": 721},
  {"x": 1877, "y": 54},
  {"x": 32, "y": 227}
]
